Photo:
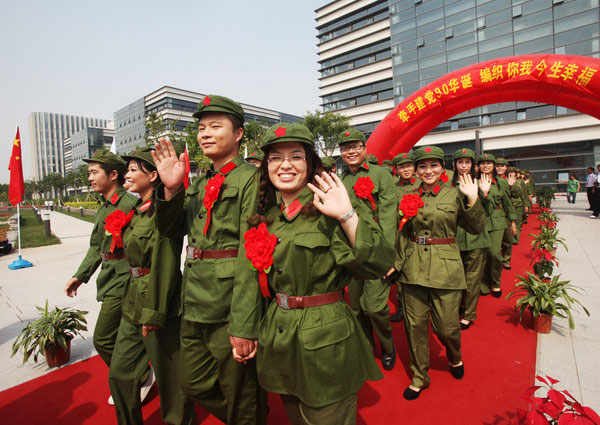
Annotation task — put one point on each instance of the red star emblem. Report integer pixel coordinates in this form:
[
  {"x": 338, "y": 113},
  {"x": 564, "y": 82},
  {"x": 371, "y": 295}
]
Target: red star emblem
[
  {"x": 280, "y": 131},
  {"x": 252, "y": 154},
  {"x": 206, "y": 101},
  {"x": 427, "y": 149},
  {"x": 404, "y": 156},
  {"x": 501, "y": 159},
  {"x": 464, "y": 151},
  {"x": 485, "y": 156},
  {"x": 347, "y": 133}
]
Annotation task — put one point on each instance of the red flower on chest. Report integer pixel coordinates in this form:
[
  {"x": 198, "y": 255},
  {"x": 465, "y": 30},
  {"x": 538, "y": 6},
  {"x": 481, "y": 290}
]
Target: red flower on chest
[
  {"x": 364, "y": 189},
  {"x": 113, "y": 225},
  {"x": 211, "y": 189},
  {"x": 260, "y": 245}
]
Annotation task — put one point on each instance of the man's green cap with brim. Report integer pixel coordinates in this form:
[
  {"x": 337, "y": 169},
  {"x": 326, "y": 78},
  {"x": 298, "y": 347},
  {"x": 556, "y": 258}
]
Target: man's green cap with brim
[
  {"x": 104, "y": 156},
  {"x": 351, "y": 135},
  {"x": 464, "y": 153},
  {"x": 143, "y": 154},
  {"x": 372, "y": 159},
  {"x": 286, "y": 132},
  {"x": 428, "y": 152},
  {"x": 501, "y": 161},
  {"x": 486, "y": 157},
  {"x": 387, "y": 162},
  {"x": 328, "y": 162},
  {"x": 215, "y": 103},
  {"x": 402, "y": 158},
  {"x": 255, "y": 155}
]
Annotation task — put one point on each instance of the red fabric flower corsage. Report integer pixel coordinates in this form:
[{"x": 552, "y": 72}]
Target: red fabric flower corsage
[
  {"x": 364, "y": 190},
  {"x": 113, "y": 225},
  {"x": 211, "y": 189},
  {"x": 409, "y": 207},
  {"x": 259, "y": 247},
  {"x": 444, "y": 178}
]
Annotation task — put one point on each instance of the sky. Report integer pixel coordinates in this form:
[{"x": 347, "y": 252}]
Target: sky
[{"x": 93, "y": 58}]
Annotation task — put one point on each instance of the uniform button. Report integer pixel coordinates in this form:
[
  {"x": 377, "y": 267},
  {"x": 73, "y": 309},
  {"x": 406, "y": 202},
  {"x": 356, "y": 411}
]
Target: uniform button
[
  {"x": 426, "y": 233},
  {"x": 278, "y": 240},
  {"x": 189, "y": 265},
  {"x": 425, "y": 219},
  {"x": 193, "y": 240},
  {"x": 279, "y": 270},
  {"x": 200, "y": 215},
  {"x": 131, "y": 227},
  {"x": 426, "y": 249},
  {"x": 426, "y": 204},
  {"x": 281, "y": 329}
]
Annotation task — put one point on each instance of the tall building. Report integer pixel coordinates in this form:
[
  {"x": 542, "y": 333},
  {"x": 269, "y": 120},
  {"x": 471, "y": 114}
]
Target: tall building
[
  {"x": 47, "y": 132},
  {"x": 84, "y": 143},
  {"x": 174, "y": 105},
  {"x": 371, "y": 59}
]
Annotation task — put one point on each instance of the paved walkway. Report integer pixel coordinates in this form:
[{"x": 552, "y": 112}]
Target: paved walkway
[{"x": 571, "y": 356}]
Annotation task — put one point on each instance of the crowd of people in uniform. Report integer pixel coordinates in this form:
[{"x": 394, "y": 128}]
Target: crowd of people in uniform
[{"x": 273, "y": 241}]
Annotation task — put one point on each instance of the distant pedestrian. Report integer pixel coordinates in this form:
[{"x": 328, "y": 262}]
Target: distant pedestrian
[
  {"x": 590, "y": 180},
  {"x": 572, "y": 189}
]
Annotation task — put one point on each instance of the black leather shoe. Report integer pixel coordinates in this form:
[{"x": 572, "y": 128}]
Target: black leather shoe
[
  {"x": 410, "y": 394},
  {"x": 457, "y": 371},
  {"x": 506, "y": 267},
  {"x": 388, "y": 360},
  {"x": 484, "y": 294},
  {"x": 398, "y": 316},
  {"x": 464, "y": 327},
  {"x": 497, "y": 294}
]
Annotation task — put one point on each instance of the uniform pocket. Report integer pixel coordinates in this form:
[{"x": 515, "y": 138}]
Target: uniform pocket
[
  {"x": 122, "y": 267},
  {"x": 324, "y": 334},
  {"x": 227, "y": 205},
  {"x": 225, "y": 268},
  {"x": 312, "y": 240},
  {"x": 449, "y": 208},
  {"x": 448, "y": 253}
]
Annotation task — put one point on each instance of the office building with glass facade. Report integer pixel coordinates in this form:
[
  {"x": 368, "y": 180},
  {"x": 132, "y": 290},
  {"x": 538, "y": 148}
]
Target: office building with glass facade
[
  {"x": 47, "y": 132},
  {"x": 430, "y": 38},
  {"x": 84, "y": 143},
  {"x": 174, "y": 105}
]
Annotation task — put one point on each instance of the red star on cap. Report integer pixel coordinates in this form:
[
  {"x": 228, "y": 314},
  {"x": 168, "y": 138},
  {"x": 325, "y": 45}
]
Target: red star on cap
[
  {"x": 427, "y": 149},
  {"x": 280, "y": 131},
  {"x": 404, "y": 156},
  {"x": 464, "y": 151},
  {"x": 347, "y": 133},
  {"x": 206, "y": 101},
  {"x": 252, "y": 154},
  {"x": 485, "y": 156}
]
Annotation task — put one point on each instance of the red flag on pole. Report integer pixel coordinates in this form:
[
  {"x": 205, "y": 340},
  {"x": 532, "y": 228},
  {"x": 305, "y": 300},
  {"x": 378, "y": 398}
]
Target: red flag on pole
[
  {"x": 186, "y": 180},
  {"x": 16, "y": 189}
]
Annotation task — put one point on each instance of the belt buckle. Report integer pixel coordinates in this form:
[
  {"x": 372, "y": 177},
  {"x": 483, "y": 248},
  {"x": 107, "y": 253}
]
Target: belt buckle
[
  {"x": 198, "y": 253},
  {"x": 282, "y": 301},
  {"x": 135, "y": 271},
  {"x": 421, "y": 240}
]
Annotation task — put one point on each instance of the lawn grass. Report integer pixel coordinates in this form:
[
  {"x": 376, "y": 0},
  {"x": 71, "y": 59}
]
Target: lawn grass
[
  {"x": 32, "y": 233},
  {"x": 76, "y": 214}
]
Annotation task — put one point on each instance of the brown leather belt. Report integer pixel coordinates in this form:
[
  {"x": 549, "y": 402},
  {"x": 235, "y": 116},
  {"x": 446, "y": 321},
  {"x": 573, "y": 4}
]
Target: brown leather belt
[
  {"x": 421, "y": 240},
  {"x": 286, "y": 301},
  {"x": 498, "y": 208},
  {"x": 193, "y": 253},
  {"x": 139, "y": 271},
  {"x": 106, "y": 257}
]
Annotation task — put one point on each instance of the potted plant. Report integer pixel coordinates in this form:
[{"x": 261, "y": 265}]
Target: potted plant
[
  {"x": 543, "y": 263},
  {"x": 545, "y": 300},
  {"x": 544, "y": 196},
  {"x": 556, "y": 407},
  {"x": 51, "y": 335},
  {"x": 547, "y": 239}
]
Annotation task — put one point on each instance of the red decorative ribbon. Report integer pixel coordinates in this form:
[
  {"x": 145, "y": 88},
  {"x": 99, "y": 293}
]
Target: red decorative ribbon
[
  {"x": 409, "y": 207},
  {"x": 212, "y": 188},
  {"x": 260, "y": 246},
  {"x": 113, "y": 225},
  {"x": 364, "y": 190}
]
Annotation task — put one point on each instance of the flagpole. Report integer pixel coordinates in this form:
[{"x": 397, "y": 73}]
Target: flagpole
[{"x": 19, "y": 227}]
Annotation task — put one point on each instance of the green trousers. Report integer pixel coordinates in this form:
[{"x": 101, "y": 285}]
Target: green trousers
[
  {"x": 210, "y": 376},
  {"x": 369, "y": 303},
  {"x": 519, "y": 213},
  {"x": 129, "y": 369},
  {"x": 107, "y": 327},
  {"x": 340, "y": 413},
  {"x": 507, "y": 244},
  {"x": 473, "y": 262},
  {"x": 493, "y": 262},
  {"x": 441, "y": 305}
]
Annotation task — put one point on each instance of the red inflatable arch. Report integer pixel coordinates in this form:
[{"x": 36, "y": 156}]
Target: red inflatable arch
[{"x": 564, "y": 80}]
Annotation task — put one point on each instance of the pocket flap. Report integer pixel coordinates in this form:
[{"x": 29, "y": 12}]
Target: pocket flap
[
  {"x": 230, "y": 192},
  {"x": 311, "y": 240},
  {"x": 448, "y": 253},
  {"x": 225, "y": 267},
  {"x": 446, "y": 207},
  {"x": 324, "y": 334}
]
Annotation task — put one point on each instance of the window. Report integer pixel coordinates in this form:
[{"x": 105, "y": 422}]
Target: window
[
  {"x": 481, "y": 22},
  {"x": 516, "y": 11}
]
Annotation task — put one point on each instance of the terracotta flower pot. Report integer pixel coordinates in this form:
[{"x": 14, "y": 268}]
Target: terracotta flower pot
[
  {"x": 60, "y": 356},
  {"x": 542, "y": 324}
]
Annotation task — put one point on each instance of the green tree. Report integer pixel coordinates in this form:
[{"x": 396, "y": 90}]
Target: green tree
[
  {"x": 253, "y": 134},
  {"x": 326, "y": 128}
]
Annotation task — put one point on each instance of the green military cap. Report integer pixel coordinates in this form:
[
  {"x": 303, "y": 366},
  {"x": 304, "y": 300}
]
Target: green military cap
[
  {"x": 464, "y": 153},
  {"x": 501, "y": 161},
  {"x": 351, "y": 135},
  {"x": 513, "y": 170},
  {"x": 215, "y": 103},
  {"x": 255, "y": 155},
  {"x": 387, "y": 162},
  {"x": 328, "y": 162},
  {"x": 286, "y": 132},
  {"x": 372, "y": 159},
  {"x": 486, "y": 157},
  {"x": 428, "y": 152},
  {"x": 143, "y": 154},
  {"x": 104, "y": 156},
  {"x": 402, "y": 158}
]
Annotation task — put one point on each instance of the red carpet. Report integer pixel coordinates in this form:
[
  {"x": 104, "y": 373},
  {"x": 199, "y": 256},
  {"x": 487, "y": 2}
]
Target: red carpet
[{"x": 499, "y": 355}]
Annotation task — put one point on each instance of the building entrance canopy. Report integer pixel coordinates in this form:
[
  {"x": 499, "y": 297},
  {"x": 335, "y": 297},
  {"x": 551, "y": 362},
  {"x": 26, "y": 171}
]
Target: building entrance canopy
[{"x": 569, "y": 81}]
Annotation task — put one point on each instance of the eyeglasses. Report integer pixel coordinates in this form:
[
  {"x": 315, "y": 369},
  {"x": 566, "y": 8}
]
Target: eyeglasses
[
  {"x": 348, "y": 148},
  {"x": 277, "y": 160}
]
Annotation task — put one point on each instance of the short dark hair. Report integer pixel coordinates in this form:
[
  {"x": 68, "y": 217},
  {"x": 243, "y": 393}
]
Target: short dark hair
[
  {"x": 235, "y": 121},
  {"x": 146, "y": 168},
  {"x": 108, "y": 169}
]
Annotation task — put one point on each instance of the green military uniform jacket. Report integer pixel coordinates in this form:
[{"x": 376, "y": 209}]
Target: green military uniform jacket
[
  {"x": 519, "y": 195},
  {"x": 152, "y": 298},
  {"x": 468, "y": 241},
  {"x": 499, "y": 206},
  {"x": 439, "y": 265},
  {"x": 114, "y": 274},
  {"x": 384, "y": 194},
  {"x": 212, "y": 291},
  {"x": 408, "y": 187},
  {"x": 318, "y": 354},
  {"x": 530, "y": 186}
]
